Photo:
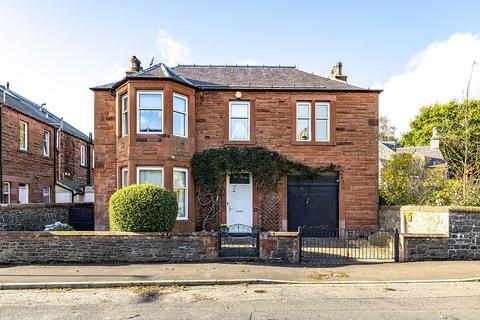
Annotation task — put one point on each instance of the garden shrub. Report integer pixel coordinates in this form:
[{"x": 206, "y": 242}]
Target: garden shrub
[{"x": 143, "y": 208}]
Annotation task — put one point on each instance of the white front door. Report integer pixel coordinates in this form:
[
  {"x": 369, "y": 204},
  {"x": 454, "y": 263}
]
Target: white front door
[
  {"x": 239, "y": 199},
  {"x": 23, "y": 193}
]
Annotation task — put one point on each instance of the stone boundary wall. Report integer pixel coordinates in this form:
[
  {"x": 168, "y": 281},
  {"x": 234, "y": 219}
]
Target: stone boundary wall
[
  {"x": 280, "y": 247},
  {"x": 106, "y": 247},
  {"x": 460, "y": 241},
  {"x": 127, "y": 247},
  {"x": 389, "y": 217},
  {"x": 32, "y": 217}
]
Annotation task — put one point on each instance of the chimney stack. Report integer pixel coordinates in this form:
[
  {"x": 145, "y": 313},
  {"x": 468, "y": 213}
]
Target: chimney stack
[
  {"x": 336, "y": 72},
  {"x": 136, "y": 65},
  {"x": 435, "y": 141},
  {"x": 8, "y": 85}
]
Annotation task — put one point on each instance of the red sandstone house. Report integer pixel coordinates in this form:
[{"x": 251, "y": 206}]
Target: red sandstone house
[
  {"x": 43, "y": 159},
  {"x": 149, "y": 124}
]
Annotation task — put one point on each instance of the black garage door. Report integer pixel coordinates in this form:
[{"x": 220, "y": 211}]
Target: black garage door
[{"x": 313, "y": 202}]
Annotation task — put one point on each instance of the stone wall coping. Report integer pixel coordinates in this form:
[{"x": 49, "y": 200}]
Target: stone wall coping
[
  {"x": 424, "y": 235},
  {"x": 464, "y": 210},
  {"x": 86, "y": 234},
  {"x": 291, "y": 234},
  {"x": 385, "y": 207},
  {"x": 17, "y": 206},
  {"x": 425, "y": 208}
]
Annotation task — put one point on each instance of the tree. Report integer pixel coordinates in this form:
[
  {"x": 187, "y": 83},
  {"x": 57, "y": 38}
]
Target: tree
[{"x": 386, "y": 130}]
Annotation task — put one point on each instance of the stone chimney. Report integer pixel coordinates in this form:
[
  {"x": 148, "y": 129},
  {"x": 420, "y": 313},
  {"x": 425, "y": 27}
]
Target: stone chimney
[
  {"x": 336, "y": 72},
  {"x": 435, "y": 141},
  {"x": 136, "y": 65}
]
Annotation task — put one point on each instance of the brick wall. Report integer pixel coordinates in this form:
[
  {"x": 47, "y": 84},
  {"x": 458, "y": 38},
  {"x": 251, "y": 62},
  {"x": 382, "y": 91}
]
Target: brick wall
[
  {"x": 32, "y": 217},
  {"x": 280, "y": 247},
  {"x": 29, "y": 166},
  {"x": 69, "y": 159}
]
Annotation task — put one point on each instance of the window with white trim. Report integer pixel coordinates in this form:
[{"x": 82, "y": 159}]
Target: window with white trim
[
  {"x": 150, "y": 175},
  {"x": 149, "y": 112},
  {"x": 124, "y": 115},
  {"x": 46, "y": 143},
  {"x": 6, "y": 193},
  {"x": 180, "y": 115},
  {"x": 180, "y": 188},
  {"x": 93, "y": 159},
  {"x": 322, "y": 121},
  {"x": 46, "y": 194},
  {"x": 239, "y": 121},
  {"x": 23, "y": 126},
  {"x": 303, "y": 121},
  {"x": 82, "y": 155},
  {"x": 124, "y": 177},
  {"x": 58, "y": 139}
]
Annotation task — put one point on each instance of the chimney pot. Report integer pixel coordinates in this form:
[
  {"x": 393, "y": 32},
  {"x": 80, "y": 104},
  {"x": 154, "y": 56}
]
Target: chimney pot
[
  {"x": 8, "y": 85},
  {"x": 336, "y": 72}
]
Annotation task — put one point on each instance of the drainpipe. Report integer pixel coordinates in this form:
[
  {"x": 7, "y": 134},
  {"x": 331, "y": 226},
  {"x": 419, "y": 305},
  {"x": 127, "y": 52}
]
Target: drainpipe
[
  {"x": 55, "y": 151},
  {"x": 1, "y": 147},
  {"x": 89, "y": 161}
]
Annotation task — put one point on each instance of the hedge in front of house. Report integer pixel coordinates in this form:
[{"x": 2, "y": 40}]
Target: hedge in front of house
[{"x": 143, "y": 208}]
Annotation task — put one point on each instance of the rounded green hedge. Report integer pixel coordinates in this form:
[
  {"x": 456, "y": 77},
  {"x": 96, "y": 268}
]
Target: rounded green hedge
[{"x": 143, "y": 208}]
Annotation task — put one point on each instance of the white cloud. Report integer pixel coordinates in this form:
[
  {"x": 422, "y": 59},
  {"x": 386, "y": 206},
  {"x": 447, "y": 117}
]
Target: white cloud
[
  {"x": 173, "y": 51},
  {"x": 439, "y": 73}
]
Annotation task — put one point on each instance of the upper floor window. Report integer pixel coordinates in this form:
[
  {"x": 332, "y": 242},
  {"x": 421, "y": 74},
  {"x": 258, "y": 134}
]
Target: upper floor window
[
  {"x": 23, "y": 136},
  {"x": 322, "y": 121},
  {"x": 150, "y": 112},
  {"x": 82, "y": 155},
  {"x": 180, "y": 115},
  {"x": 239, "y": 121},
  {"x": 46, "y": 143},
  {"x": 180, "y": 188},
  {"x": 6, "y": 193},
  {"x": 150, "y": 175},
  {"x": 57, "y": 133},
  {"x": 303, "y": 121},
  {"x": 124, "y": 115}
]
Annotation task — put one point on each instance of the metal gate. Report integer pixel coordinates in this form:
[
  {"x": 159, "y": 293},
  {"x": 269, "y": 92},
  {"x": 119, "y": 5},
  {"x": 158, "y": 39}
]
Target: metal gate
[
  {"x": 80, "y": 217},
  {"x": 239, "y": 241},
  {"x": 320, "y": 245}
]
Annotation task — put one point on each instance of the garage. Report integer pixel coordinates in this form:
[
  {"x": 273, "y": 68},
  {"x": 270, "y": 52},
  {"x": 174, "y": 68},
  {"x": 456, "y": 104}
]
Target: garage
[{"x": 313, "y": 202}]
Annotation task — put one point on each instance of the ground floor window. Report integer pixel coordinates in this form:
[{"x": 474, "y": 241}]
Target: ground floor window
[
  {"x": 124, "y": 177},
  {"x": 6, "y": 193},
  {"x": 46, "y": 194},
  {"x": 150, "y": 175},
  {"x": 180, "y": 187}
]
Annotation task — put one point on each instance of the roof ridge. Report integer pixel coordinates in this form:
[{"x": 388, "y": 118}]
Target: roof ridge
[{"x": 232, "y": 66}]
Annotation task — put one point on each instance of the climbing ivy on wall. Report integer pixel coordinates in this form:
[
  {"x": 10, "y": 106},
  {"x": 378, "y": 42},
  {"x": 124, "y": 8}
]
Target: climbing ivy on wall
[{"x": 210, "y": 167}]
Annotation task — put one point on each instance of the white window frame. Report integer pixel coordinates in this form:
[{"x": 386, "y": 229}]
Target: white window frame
[
  {"x": 49, "y": 193},
  {"x": 46, "y": 143},
  {"x": 24, "y": 148},
  {"x": 230, "y": 118},
  {"x": 303, "y": 118},
  {"x": 327, "y": 104},
  {"x": 182, "y": 113},
  {"x": 8, "y": 192},
  {"x": 149, "y": 168},
  {"x": 57, "y": 132},
  {"x": 124, "y": 124},
  {"x": 82, "y": 155},
  {"x": 138, "y": 111},
  {"x": 124, "y": 182},
  {"x": 186, "y": 191}
]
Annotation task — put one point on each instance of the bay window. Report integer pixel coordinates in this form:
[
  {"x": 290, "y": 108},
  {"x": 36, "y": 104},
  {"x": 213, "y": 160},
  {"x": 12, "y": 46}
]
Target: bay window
[
  {"x": 150, "y": 175},
  {"x": 180, "y": 115},
  {"x": 150, "y": 112},
  {"x": 180, "y": 188},
  {"x": 239, "y": 121},
  {"x": 124, "y": 177},
  {"x": 124, "y": 115}
]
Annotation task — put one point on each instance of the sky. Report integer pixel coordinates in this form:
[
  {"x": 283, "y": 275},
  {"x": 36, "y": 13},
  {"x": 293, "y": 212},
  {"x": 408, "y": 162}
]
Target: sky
[{"x": 418, "y": 52}]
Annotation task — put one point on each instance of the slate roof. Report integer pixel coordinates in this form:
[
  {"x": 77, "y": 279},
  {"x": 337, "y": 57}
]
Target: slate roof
[
  {"x": 76, "y": 186},
  {"x": 232, "y": 77},
  {"x": 31, "y": 109},
  {"x": 433, "y": 156}
]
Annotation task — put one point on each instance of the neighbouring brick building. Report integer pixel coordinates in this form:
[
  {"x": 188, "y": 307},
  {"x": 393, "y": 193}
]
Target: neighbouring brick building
[
  {"x": 149, "y": 124},
  {"x": 43, "y": 158}
]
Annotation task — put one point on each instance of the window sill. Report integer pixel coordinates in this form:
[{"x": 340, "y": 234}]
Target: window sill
[
  {"x": 236, "y": 142},
  {"x": 313, "y": 143},
  {"x": 182, "y": 219}
]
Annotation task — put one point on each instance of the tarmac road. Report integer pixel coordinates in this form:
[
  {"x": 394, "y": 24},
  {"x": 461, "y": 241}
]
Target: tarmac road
[{"x": 459, "y": 300}]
